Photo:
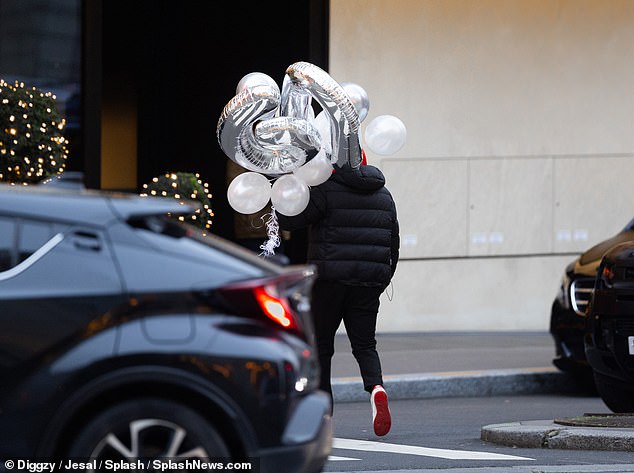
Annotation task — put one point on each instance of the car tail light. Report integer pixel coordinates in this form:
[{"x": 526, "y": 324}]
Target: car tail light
[
  {"x": 283, "y": 299},
  {"x": 273, "y": 307}
]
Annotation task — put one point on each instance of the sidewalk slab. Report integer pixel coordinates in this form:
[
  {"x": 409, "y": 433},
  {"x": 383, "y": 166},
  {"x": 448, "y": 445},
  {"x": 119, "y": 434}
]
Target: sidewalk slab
[
  {"x": 431, "y": 352},
  {"x": 498, "y": 382}
]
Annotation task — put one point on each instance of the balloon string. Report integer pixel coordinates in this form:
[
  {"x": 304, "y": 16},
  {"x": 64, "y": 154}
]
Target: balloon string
[
  {"x": 390, "y": 293},
  {"x": 273, "y": 233}
]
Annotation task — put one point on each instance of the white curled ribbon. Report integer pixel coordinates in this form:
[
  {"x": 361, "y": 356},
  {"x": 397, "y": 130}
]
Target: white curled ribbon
[{"x": 273, "y": 234}]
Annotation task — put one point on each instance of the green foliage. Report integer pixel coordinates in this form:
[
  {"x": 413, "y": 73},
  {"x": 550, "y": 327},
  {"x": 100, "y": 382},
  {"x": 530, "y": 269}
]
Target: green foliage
[
  {"x": 184, "y": 186},
  {"x": 32, "y": 145}
]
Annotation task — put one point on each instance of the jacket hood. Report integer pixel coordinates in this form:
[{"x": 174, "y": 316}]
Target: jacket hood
[{"x": 365, "y": 178}]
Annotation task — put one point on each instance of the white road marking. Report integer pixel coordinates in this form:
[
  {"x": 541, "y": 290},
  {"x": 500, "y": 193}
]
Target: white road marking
[
  {"x": 369, "y": 446},
  {"x": 598, "y": 468},
  {"x": 333, "y": 458}
]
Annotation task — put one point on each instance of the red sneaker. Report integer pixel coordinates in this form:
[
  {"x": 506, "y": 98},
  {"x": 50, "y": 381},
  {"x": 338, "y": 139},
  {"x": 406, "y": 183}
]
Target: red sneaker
[{"x": 381, "y": 418}]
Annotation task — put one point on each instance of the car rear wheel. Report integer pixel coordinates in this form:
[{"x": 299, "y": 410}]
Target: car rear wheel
[
  {"x": 146, "y": 429},
  {"x": 618, "y": 396}
]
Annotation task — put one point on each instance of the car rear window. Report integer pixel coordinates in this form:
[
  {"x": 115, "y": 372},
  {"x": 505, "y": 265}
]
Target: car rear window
[
  {"x": 195, "y": 243},
  {"x": 7, "y": 243},
  {"x": 20, "y": 238},
  {"x": 32, "y": 235}
]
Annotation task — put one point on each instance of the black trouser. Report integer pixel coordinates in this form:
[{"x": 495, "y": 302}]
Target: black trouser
[{"x": 357, "y": 306}]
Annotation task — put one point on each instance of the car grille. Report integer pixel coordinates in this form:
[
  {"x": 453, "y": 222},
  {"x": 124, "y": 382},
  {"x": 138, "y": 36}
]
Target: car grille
[
  {"x": 624, "y": 327},
  {"x": 580, "y": 293}
]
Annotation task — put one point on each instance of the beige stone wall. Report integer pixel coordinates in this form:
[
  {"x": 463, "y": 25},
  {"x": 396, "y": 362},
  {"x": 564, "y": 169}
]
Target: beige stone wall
[{"x": 520, "y": 148}]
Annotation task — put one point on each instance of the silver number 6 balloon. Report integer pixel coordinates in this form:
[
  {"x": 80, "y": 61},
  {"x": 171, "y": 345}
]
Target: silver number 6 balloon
[{"x": 252, "y": 133}]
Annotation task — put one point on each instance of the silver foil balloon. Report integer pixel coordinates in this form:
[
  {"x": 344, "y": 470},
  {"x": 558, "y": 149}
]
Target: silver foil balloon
[
  {"x": 278, "y": 145},
  {"x": 271, "y": 147},
  {"x": 253, "y": 79},
  {"x": 296, "y": 101},
  {"x": 344, "y": 118},
  {"x": 266, "y": 131},
  {"x": 242, "y": 110},
  {"x": 359, "y": 98}
]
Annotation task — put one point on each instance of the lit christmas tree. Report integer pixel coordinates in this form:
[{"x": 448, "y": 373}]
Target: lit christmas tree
[
  {"x": 184, "y": 186},
  {"x": 32, "y": 145}
]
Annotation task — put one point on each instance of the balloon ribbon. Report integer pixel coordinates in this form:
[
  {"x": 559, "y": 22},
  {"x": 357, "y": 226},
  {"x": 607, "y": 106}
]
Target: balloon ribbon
[{"x": 273, "y": 233}]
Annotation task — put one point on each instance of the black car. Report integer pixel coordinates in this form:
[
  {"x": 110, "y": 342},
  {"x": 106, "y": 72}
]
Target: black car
[
  {"x": 568, "y": 310},
  {"x": 126, "y": 334},
  {"x": 609, "y": 339}
]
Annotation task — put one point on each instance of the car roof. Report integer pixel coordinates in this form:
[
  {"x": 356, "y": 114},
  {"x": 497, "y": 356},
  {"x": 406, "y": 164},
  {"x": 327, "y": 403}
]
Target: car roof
[{"x": 84, "y": 206}]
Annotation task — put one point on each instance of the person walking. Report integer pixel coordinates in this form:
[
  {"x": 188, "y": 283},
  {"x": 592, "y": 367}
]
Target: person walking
[{"x": 353, "y": 242}]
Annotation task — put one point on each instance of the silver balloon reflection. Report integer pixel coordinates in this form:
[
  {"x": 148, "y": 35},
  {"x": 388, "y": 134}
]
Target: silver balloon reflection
[
  {"x": 242, "y": 110},
  {"x": 278, "y": 145},
  {"x": 296, "y": 101},
  {"x": 344, "y": 119},
  {"x": 253, "y": 79},
  {"x": 275, "y": 133},
  {"x": 359, "y": 98},
  {"x": 275, "y": 147}
]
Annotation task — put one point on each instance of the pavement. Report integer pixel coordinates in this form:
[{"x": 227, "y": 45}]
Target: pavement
[{"x": 455, "y": 364}]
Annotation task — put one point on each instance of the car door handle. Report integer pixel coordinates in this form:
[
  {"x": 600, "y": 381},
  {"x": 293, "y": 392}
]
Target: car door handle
[{"x": 86, "y": 241}]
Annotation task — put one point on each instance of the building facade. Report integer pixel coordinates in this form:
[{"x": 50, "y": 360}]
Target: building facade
[{"x": 519, "y": 148}]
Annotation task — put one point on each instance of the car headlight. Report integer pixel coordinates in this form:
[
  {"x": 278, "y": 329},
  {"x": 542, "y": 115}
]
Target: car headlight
[{"x": 563, "y": 295}]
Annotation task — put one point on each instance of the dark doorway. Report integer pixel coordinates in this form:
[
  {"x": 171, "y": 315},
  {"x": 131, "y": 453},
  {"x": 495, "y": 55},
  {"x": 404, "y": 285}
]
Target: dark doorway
[{"x": 181, "y": 61}]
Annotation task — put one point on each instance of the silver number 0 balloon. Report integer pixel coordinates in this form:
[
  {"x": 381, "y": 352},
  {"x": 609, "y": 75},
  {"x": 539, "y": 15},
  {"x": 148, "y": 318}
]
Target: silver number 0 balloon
[{"x": 344, "y": 118}]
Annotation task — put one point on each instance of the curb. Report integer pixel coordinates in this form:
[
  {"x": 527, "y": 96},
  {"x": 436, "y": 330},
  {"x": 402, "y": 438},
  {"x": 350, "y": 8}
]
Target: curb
[
  {"x": 524, "y": 434},
  {"x": 461, "y": 384},
  {"x": 548, "y": 434}
]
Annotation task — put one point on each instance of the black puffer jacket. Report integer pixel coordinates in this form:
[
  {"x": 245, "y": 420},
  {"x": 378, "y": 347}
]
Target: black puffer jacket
[{"x": 354, "y": 233}]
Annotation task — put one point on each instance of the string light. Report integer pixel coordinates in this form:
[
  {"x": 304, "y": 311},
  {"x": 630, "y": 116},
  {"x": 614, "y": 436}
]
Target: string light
[
  {"x": 32, "y": 144},
  {"x": 181, "y": 184}
]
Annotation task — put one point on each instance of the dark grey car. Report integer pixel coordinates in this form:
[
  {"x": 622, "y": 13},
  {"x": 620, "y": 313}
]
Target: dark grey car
[{"x": 126, "y": 335}]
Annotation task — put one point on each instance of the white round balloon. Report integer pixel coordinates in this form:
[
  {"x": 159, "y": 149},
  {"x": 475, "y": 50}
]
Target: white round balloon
[
  {"x": 315, "y": 171},
  {"x": 324, "y": 127},
  {"x": 289, "y": 195},
  {"x": 358, "y": 97},
  {"x": 249, "y": 192},
  {"x": 253, "y": 79},
  {"x": 385, "y": 135}
]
